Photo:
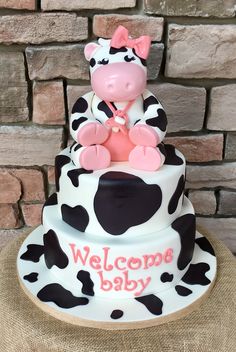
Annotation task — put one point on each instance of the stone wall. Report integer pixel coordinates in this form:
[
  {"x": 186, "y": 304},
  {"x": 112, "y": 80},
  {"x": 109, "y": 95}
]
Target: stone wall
[{"x": 192, "y": 69}]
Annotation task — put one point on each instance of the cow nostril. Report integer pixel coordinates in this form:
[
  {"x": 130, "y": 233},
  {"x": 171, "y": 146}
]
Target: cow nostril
[
  {"x": 128, "y": 86},
  {"x": 110, "y": 86}
]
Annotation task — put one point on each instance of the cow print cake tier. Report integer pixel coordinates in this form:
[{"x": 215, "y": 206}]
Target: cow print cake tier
[{"x": 118, "y": 246}]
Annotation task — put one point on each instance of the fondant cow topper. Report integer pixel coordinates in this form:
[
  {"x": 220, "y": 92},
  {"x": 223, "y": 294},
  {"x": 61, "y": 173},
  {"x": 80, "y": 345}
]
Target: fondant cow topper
[{"x": 120, "y": 120}]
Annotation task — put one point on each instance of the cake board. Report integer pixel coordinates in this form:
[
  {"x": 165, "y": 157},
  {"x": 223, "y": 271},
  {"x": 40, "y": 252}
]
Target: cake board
[
  {"x": 209, "y": 328},
  {"x": 164, "y": 307}
]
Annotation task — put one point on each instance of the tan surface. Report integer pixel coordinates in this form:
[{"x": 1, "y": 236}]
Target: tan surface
[{"x": 210, "y": 328}]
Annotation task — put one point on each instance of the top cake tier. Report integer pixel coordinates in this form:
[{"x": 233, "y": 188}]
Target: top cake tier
[{"x": 120, "y": 200}]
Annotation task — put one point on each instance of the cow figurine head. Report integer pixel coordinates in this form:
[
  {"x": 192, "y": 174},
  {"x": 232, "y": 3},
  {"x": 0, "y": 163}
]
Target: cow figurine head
[{"x": 118, "y": 66}]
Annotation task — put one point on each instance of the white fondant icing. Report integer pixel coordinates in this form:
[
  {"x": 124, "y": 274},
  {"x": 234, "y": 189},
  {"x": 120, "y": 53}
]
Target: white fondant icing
[
  {"x": 83, "y": 246},
  {"x": 166, "y": 178}
]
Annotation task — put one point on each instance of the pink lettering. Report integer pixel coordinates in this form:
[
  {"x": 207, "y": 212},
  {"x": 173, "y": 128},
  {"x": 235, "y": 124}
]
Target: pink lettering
[
  {"x": 144, "y": 284},
  {"x": 106, "y": 285},
  {"x": 158, "y": 259},
  {"x": 118, "y": 281},
  {"x": 168, "y": 255},
  {"x": 149, "y": 260},
  {"x": 134, "y": 263},
  {"x": 117, "y": 265},
  {"x": 77, "y": 254},
  {"x": 107, "y": 267},
  {"x": 129, "y": 285},
  {"x": 94, "y": 262}
]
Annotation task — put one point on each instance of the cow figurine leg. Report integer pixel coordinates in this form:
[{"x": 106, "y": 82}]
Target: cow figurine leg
[
  {"x": 90, "y": 154},
  {"x": 145, "y": 155}
]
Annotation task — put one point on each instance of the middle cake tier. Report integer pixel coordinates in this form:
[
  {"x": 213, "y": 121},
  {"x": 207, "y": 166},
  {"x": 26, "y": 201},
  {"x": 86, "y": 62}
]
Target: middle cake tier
[{"x": 120, "y": 200}]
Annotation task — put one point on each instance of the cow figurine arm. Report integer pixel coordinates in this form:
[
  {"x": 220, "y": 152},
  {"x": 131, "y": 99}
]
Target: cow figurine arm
[
  {"x": 150, "y": 130},
  {"x": 84, "y": 127},
  {"x": 89, "y": 135}
]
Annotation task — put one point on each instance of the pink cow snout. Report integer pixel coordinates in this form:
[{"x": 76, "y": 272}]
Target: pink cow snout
[{"x": 119, "y": 81}]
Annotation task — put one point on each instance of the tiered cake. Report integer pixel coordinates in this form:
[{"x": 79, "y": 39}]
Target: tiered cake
[{"x": 118, "y": 240}]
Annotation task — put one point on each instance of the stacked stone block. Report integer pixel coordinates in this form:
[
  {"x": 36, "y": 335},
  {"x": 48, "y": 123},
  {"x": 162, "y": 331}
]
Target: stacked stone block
[{"x": 191, "y": 69}]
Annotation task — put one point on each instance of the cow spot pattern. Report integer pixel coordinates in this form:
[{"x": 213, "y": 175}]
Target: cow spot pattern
[
  {"x": 117, "y": 314},
  {"x": 53, "y": 253},
  {"x": 152, "y": 303},
  {"x": 166, "y": 277},
  {"x": 52, "y": 200},
  {"x": 159, "y": 121},
  {"x": 149, "y": 101},
  {"x": 60, "y": 296},
  {"x": 123, "y": 200},
  {"x": 77, "y": 122},
  {"x": 196, "y": 274},
  {"x": 183, "y": 291},
  {"x": 60, "y": 161},
  {"x": 185, "y": 225},
  {"x": 173, "y": 203},
  {"x": 80, "y": 106},
  {"x": 76, "y": 217},
  {"x": 102, "y": 106},
  {"x": 32, "y": 277},
  {"x": 87, "y": 284},
  {"x": 33, "y": 253},
  {"x": 74, "y": 175},
  {"x": 171, "y": 157},
  {"x": 205, "y": 245}
]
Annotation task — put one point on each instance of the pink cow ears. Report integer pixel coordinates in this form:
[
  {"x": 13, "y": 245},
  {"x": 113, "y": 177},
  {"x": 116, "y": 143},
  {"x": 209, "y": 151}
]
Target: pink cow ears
[{"x": 90, "y": 49}]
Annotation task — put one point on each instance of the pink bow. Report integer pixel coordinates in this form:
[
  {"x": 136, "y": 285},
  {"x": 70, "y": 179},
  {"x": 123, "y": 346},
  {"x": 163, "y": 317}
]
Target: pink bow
[{"x": 141, "y": 45}]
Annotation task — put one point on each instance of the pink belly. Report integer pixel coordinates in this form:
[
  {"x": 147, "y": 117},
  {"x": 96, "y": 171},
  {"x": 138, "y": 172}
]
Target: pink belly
[{"x": 119, "y": 146}]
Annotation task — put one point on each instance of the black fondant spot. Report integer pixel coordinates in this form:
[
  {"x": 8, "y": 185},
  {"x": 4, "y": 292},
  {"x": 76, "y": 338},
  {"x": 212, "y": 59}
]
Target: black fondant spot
[
  {"x": 149, "y": 101},
  {"x": 60, "y": 161},
  {"x": 77, "y": 147},
  {"x": 92, "y": 62},
  {"x": 205, "y": 245},
  {"x": 166, "y": 277},
  {"x": 152, "y": 303},
  {"x": 171, "y": 157},
  {"x": 162, "y": 149},
  {"x": 52, "y": 200},
  {"x": 32, "y": 277},
  {"x": 60, "y": 296},
  {"x": 76, "y": 217},
  {"x": 117, "y": 314},
  {"x": 74, "y": 175},
  {"x": 137, "y": 121},
  {"x": 123, "y": 200},
  {"x": 77, "y": 122},
  {"x": 53, "y": 253},
  {"x": 185, "y": 225},
  {"x": 174, "y": 200},
  {"x": 72, "y": 145},
  {"x": 183, "y": 291},
  {"x": 113, "y": 50},
  {"x": 33, "y": 253},
  {"x": 102, "y": 106},
  {"x": 196, "y": 274},
  {"x": 159, "y": 121},
  {"x": 80, "y": 105},
  {"x": 87, "y": 284}
]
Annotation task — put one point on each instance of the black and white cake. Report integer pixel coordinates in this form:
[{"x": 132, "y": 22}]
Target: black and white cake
[{"x": 118, "y": 240}]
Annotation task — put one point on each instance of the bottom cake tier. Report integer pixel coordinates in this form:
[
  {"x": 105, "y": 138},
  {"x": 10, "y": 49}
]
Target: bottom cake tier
[{"x": 79, "y": 277}]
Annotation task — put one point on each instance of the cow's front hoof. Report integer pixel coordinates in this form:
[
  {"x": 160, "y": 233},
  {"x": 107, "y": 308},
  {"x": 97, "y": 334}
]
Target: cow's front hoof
[
  {"x": 92, "y": 133},
  {"x": 143, "y": 135},
  {"x": 145, "y": 158},
  {"x": 95, "y": 157}
]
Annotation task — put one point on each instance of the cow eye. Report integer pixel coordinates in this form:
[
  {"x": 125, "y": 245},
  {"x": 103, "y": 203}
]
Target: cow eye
[
  {"x": 129, "y": 58},
  {"x": 103, "y": 61}
]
